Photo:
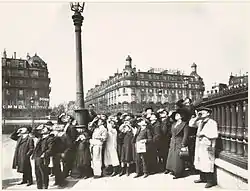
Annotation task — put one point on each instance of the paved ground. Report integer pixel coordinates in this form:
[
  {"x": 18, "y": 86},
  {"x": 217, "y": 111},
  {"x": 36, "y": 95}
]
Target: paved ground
[{"x": 10, "y": 178}]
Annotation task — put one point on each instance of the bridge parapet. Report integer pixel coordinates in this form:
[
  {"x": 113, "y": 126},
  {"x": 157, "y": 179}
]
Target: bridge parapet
[{"x": 230, "y": 110}]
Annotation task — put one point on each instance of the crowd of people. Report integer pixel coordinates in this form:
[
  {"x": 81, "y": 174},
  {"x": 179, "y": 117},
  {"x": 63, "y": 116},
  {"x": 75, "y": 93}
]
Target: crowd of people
[{"x": 175, "y": 142}]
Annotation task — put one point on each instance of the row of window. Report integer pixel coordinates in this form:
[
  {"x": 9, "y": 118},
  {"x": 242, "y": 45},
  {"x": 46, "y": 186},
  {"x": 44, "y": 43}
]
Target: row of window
[
  {"x": 14, "y": 63},
  {"x": 22, "y": 92},
  {"x": 24, "y": 103},
  {"x": 149, "y": 90},
  {"x": 25, "y": 73},
  {"x": 151, "y": 84},
  {"x": 21, "y": 82},
  {"x": 20, "y": 63}
]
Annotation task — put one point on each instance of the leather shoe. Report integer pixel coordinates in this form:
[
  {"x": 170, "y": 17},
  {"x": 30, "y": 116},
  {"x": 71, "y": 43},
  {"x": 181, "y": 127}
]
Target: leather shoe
[
  {"x": 85, "y": 177},
  {"x": 145, "y": 175},
  {"x": 29, "y": 184},
  {"x": 166, "y": 172},
  {"x": 199, "y": 181},
  {"x": 137, "y": 175},
  {"x": 22, "y": 183},
  {"x": 209, "y": 185},
  {"x": 176, "y": 177},
  {"x": 96, "y": 177}
]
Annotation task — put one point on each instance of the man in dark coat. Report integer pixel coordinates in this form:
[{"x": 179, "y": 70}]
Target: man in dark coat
[
  {"x": 42, "y": 153},
  {"x": 24, "y": 149},
  {"x": 165, "y": 138},
  {"x": 188, "y": 105},
  {"x": 143, "y": 135},
  {"x": 154, "y": 146},
  {"x": 69, "y": 153}
]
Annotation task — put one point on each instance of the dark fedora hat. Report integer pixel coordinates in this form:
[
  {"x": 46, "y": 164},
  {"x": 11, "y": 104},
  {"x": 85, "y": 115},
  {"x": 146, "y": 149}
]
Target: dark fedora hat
[{"x": 205, "y": 109}]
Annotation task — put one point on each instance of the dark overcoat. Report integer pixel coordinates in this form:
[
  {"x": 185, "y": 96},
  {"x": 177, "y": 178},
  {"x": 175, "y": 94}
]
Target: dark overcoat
[
  {"x": 83, "y": 155},
  {"x": 165, "y": 138},
  {"x": 179, "y": 138},
  {"x": 127, "y": 151},
  {"x": 23, "y": 151}
]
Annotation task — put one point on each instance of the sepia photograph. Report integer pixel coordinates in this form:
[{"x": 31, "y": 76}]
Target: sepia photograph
[{"x": 124, "y": 95}]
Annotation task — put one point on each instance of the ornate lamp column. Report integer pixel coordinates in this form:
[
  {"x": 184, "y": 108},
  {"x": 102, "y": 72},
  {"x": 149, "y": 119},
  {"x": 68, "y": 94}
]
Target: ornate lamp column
[{"x": 81, "y": 113}]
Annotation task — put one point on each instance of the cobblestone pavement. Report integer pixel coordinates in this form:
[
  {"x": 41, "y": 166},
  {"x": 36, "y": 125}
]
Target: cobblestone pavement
[{"x": 10, "y": 178}]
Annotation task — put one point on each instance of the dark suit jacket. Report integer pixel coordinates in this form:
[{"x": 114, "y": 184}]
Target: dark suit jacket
[
  {"x": 145, "y": 134},
  {"x": 45, "y": 146}
]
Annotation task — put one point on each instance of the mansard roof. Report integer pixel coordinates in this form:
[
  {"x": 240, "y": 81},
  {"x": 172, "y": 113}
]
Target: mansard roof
[{"x": 36, "y": 61}]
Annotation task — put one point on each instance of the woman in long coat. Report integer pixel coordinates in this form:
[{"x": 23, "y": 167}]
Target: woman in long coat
[
  {"x": 83, "y": 156},
  {"x": 179, "y": 131},
  {"x": 127, "y": 154},
  {"x": 110, "y": 154}
]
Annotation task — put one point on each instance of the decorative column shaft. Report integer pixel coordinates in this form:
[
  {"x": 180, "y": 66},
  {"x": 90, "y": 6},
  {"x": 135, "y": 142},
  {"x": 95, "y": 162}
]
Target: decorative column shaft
[
  {"x": 233, "y": 128},
  {"x": 81, "y": 113},
  {"x": 227, "y": 134},
  {"x": 245, "y": 141},
  {"x": 215, "y": 113},
  {"x": 219, "y": 119},
  {"x": 240, "y": 133},
  {"x": 223, "y": 127}
]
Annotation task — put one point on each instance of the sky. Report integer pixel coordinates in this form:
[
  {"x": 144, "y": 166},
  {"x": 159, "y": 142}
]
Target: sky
[{"x": 167, "y": 35}]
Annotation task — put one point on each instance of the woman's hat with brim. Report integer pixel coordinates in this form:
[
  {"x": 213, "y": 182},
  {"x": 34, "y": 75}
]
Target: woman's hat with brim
[{"x": 183, "y": 112}]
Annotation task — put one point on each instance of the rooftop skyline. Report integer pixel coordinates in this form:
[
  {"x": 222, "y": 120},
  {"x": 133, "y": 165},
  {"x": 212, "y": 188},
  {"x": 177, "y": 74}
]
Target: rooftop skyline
[{"x": 157, "y": 35}]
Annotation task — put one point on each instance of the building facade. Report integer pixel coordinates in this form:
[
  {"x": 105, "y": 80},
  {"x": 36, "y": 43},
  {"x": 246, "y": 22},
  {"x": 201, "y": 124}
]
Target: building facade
[
  {"x": 236, "y": 81},
  {"x": 25, "y": 87},
  {"x": 133, "y": 91}
]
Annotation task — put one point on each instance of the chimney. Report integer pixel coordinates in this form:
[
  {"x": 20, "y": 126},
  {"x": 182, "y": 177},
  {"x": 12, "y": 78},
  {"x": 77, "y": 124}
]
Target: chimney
[
  {"x": 14, "y": 55},
  {"x": 4, "y": 54}
]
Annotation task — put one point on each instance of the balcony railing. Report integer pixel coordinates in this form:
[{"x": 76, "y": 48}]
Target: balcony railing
[{"x": 230, "y": 110}]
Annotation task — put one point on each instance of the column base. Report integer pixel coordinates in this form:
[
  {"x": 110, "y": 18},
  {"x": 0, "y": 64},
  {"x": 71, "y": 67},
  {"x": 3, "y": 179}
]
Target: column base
[{"x": 82, "y": 117}]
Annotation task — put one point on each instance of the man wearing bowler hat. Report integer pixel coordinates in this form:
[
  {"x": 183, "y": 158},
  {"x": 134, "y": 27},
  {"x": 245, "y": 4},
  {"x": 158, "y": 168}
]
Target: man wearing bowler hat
[{"x": 207, "y": 133}]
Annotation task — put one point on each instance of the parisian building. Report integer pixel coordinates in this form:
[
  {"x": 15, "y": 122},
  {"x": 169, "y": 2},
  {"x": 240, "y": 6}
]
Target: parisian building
[
  {"x": 25, "y": 87},
  {"x": 133, "y": 90},
  {"x": 233, "y": 82},
  {"x": 238, "y": 80}
]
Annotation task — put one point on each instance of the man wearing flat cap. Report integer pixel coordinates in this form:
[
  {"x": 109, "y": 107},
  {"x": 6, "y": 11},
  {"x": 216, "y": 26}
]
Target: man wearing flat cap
[{"x": 207, "y": 133}]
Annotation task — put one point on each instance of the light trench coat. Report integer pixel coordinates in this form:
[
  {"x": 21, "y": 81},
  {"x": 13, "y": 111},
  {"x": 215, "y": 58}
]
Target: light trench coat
[
  {"x": 99, "y": 136},
  {"x": 205, "y": 146},
  {"x": 111, "y": 155}
]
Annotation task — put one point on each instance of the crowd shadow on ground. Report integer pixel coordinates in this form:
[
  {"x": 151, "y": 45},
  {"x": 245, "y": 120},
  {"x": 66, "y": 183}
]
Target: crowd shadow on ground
[
  {"x": 10, "y": 182},
  {"x": 7, "y": 183}
]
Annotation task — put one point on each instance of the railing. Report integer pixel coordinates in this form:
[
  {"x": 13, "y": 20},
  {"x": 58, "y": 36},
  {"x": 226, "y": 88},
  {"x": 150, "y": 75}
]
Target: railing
[{"x": 230, "y": 110}]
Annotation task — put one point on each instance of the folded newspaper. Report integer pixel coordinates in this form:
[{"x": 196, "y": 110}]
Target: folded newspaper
[{"x": 140, "y": 147}]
